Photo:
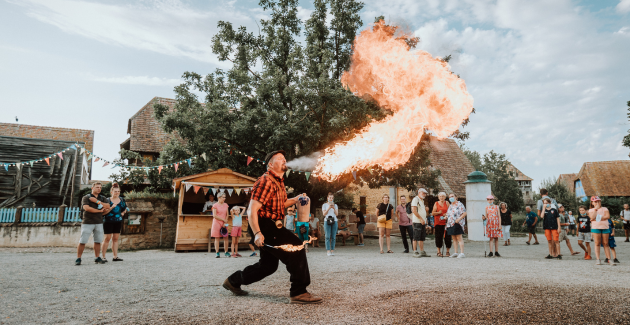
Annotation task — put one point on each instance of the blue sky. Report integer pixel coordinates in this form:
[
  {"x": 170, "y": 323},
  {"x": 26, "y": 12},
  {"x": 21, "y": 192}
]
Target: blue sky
[{"x": 549, "y": 78}]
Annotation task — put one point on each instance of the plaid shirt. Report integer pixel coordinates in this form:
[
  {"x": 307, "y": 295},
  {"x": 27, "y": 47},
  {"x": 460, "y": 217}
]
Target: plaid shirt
[{"x": 272, "y": 198}]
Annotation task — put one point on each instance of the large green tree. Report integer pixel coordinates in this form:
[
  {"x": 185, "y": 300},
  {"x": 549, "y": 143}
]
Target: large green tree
[
  {"x": 280, "y": 93},
  {"x": 626, "y": 139}
]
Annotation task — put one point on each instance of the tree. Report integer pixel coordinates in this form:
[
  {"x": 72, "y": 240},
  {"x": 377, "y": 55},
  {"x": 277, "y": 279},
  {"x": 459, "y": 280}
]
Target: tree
[
  {"x": 626, "y": 139},
  {"x": 561, "y": 193},
  {"x": 280, "y": 94}
]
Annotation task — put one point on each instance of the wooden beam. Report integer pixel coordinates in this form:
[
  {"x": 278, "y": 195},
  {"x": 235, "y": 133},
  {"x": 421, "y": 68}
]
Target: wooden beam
[
  {"x": 74, "y": 176},
  {"x": 219, "y": 184},
  {"x": 52, "y": 165},
  {"x": 30, "y": 182},
  {"x": 63, "y": 201},
  {"x": 66, "y": 162},
  {"x": 18, "y": 181},
  {"x": 23, "y": 196}
]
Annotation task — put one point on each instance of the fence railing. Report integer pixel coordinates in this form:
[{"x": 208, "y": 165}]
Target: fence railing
[
  {"x": 7, "y": 215},
  {"x": 40, "y": 215},
  {"x": 72, "y": 215}
]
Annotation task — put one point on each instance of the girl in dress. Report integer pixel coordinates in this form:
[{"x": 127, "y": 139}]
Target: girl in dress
[
  {"x": 493, "y": 225},
  {"x": 219, "y": 220}
]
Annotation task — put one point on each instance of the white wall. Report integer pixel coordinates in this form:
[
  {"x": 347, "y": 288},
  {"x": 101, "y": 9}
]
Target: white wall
[
  {"x": 476, "y": 194},
  {"x": 41, "y": 236}
]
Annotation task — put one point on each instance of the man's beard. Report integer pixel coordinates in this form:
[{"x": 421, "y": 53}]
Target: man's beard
[{"x": 284, "y": 168}]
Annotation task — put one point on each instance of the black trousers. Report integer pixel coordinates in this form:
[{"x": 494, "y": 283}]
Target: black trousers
[
  {"x": 404, "y": 230},
  {"x": 295, "y": 262},
  {"x": 440, "y": 237}
]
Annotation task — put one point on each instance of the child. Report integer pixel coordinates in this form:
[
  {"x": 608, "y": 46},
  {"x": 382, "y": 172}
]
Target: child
[
  {"x": 314, "y": 228},
  {"x": 551, "y": 224},
  {"x": 611, "y": 242},
  {"x": 237, "y": 224},
  {"x": 584, "y": 232}
]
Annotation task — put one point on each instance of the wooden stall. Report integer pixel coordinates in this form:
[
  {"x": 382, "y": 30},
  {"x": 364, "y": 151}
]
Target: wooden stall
[{"x": 193, "y": 228}]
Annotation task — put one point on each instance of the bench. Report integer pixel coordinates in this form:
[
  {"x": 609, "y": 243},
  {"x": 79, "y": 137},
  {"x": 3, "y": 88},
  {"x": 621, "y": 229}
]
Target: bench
[{"x": 354, "y": 235}]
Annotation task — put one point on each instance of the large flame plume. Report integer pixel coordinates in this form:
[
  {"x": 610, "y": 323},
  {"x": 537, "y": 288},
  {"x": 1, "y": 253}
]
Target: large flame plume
[
  {"x": 419, "y": 89},
  {"x": 293, "y": 248}
]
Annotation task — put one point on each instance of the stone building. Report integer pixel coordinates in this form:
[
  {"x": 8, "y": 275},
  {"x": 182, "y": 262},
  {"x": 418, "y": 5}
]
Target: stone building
[
  {"x": 568, "y": 180},
  {"x": 603, "y": 178},
  {"x": 524, "y": 182}
]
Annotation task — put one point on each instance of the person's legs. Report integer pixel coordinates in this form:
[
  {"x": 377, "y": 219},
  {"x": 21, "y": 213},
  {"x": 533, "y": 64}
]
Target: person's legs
[
  {"x": 403, "y": 235},
  {"x": 588, "y": 248},
  {"x": 581, "y": 244},
  {"x": 507, "y": 231},
  {"x": 327, "y": 230},
  {"x": 98, "y": 239},
  {"x": 423, "y": 235},
  {"x": 226, "y": 244},
  {"x": 80, "y": 249},
  {"x": 115, "y": 238},
  {"x": 439, "y": 238},
  {"x": 604, "y": 242},
  {"x": 333, "y": 236},
  {"x": 389, "y": 239},
  {"x": 460, "y": 240},
  {"x": 381, "y": 233},
  {"x": 216, "y": 245},
  {"x": 235, "y": 244},
  {"x": 86, "y": 231},
  {"x": 627, "y": 231},
  {"x": 448, "y": 241},
  {"x": 535, "y": 238},
  {"x": 598, "y": 241},
  {"x": 252, "y": 248},
  {"x": 105, "y": 244},
  {"x": 569, "y": 245}
]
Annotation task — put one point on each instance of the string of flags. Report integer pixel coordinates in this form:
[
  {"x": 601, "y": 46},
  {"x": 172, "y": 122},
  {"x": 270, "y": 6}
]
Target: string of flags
[
  {"x": 32, "y": 162},
  {"x": 206, "y": 189}
]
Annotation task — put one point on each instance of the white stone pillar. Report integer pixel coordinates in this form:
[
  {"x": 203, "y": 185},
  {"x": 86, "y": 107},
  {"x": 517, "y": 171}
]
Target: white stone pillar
[{"x": 477, "y": 189}]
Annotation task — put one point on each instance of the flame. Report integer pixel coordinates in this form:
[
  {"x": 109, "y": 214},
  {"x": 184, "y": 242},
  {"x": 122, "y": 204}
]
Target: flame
[
  {"x": 293, "y": 248},
  {"x": 419, "y": 89}
]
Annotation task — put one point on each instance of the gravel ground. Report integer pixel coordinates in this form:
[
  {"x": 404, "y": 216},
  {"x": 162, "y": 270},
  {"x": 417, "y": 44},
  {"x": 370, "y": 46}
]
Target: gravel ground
[{"x": 42, "y": 286}]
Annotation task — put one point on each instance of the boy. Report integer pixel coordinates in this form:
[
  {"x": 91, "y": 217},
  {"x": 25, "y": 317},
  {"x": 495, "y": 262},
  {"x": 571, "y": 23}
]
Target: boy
[
  {"x": 360, "y": 224},
  {"x": 531, "y": 220},
  {"x": 584, "y": 232},
  {"x": 551, "y": 224},
  {"x": 572, "y": 227},
  {"x": 611, "y": 242}
]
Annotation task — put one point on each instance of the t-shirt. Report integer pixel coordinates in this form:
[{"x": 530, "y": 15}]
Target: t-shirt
[
  {"x": 505, "y": 217},
  {"x": 403, "y": 218},
  {"x": 563, "y": 219},
  {"x": 599, "y": 224},
  {"x": 611, "y": 227},
  {"x": 419, "y": 203},
  {"x": 584, "y": 223},
  {"x": 330, "y": 213},
  {"x": 385, "y": 209},
  {"x": 625, "y": 215},
  {"x": 237, "y": 221},
  {"x": 360, "y": 217},
  {"x": 540, "y": 202},
  {"x": 314, "y": 223},
  {"x": 90, "y": 218},
  {"x": 208, "y": 205},
  {"x": 289, "y": 223},
  {"x": 531, "y": 217},
  {"x": 571, "y": 219},
  {"x": 550, "y": 220}
]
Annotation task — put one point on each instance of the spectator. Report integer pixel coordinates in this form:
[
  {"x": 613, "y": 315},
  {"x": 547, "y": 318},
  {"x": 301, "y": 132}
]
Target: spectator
[
  {"x": 584, "y": 232},
  {"x": 314, "y": 228},
  {"x": 360, "y": 224},
  {"x": 625, "y": 215},
  {"x": 112, "y": 222},
  {"x": 456, "y": 216},
  {"x": 303, "y": 219},
  {"x": 289, "y": 219},
  {"x": 344, "y": 229},
  {"x": 572, "y": 227},
  {"x": 208, "y": 206},
  {"x": 599, "y": 228},
  {"x": 384, "y": 211},
  {"x": 531, "y": 219},
  {"x": 404, "y": 223},
  {"x": 506, "y": 222},
  {"x": 551, "y": 224},
  {"x": 611, "y": 242},
  {"x": 545, "y": 194},
  {"x": 219, "y": 224},
  {"x": 493, "y": 225},
  {"x": 419, "y": 221},
  {"x": 564, "y": 227},
  {"x": 439, "y": 214},
  {"x": 92, "y": 223},
  {"x": 237, "y": 224},
  {"x": 330, "y": 211}
]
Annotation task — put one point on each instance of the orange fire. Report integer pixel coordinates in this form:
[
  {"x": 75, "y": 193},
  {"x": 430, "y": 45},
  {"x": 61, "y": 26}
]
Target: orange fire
[
  {"x": 420, "y": 90},
  {"x": 293, "y": 248}
]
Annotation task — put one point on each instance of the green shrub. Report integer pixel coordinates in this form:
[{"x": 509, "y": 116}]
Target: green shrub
[{"x": 518, "y": 219}]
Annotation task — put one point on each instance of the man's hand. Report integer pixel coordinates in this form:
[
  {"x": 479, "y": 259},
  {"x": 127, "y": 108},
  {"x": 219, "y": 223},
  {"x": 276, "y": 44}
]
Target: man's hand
[{"x": 259, "y": 240}]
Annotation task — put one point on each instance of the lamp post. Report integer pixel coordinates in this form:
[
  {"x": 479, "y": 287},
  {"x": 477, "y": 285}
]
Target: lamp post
[{"x": 477, "y": 189}]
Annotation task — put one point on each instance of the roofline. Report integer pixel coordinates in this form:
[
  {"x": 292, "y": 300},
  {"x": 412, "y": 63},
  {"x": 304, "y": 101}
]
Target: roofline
[
  {"x": 45, "y": 126},
  {"x": 177, "y": 181}
]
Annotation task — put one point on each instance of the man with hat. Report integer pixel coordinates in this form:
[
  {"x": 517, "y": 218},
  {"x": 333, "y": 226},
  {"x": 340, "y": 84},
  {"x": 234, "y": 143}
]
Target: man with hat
[{"x": 268, "y": 203}]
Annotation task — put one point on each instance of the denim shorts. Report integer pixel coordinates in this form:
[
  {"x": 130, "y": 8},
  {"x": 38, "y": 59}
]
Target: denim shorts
[
  {"x": 600, "y": 231},
  {"x": 360, "y": 228}
]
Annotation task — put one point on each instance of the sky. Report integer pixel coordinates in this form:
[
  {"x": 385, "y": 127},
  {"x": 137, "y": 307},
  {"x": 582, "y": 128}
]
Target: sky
[{"x": 549, "y": 79}]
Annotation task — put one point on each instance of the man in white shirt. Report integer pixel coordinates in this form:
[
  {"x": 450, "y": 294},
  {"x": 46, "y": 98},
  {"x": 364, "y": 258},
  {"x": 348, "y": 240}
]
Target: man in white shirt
[
  {"x": 625, "y": 215},
  {"x": 209, "y": 204},
  {"x": 419, "y": 220}
]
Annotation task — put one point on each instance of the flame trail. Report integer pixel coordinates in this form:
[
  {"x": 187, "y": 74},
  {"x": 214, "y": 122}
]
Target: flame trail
[
  {"x": 293, "y": 248},
  {"x": 419, "y": 89}
]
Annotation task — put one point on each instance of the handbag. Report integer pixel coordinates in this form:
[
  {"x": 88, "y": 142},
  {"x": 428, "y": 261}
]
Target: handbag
[
  {"x": 330, "y": 221},
  {"x": 383, "y": 218},
  {"x": 302, "y": 229}
]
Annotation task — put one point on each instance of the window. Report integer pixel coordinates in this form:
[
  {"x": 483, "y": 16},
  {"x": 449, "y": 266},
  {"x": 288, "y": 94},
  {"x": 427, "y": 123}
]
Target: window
[
  {"x": 362, "y": 204},
  {"x": 527, "y": 193},
  {"x": 148, "y": 156}
]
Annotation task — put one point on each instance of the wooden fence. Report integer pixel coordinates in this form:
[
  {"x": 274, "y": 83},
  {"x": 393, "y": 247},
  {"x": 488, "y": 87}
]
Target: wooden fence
[
  {"x": 72, "y": 215},
  {"x": 7, "y": 215},
  {"x": 40, "y": 215}
]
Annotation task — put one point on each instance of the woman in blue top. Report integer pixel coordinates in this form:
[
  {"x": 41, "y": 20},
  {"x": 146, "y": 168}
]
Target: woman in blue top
[{"x": 112, "y": 222}]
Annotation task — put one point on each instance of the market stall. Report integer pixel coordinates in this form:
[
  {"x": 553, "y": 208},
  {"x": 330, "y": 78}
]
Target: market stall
[{"x": 193, "y": 225}]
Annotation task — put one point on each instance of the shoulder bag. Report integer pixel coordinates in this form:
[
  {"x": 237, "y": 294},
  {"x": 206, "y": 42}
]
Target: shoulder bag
[{"x": 383, "y": 217}]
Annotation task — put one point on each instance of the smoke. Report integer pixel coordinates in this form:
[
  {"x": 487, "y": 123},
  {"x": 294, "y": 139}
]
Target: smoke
[{"x": 305, "y": 163}]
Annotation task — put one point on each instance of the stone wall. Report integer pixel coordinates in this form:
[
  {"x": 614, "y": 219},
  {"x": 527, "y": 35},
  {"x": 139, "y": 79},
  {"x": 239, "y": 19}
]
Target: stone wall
[{"x": 151, "y": 236}]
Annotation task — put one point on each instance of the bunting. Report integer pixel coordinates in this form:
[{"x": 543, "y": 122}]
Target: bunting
[
  {"x": 205, "y": 190},
  {"x": 189, "y": 161},
  {"x": 214, "y": 191},
  {"x": 61, "y": 155},
  {"x": 176, "y": 164},
  {"x": 288, "y": 172},
  {"x": 159, "y": 170},
  {"x": 354, "y": 174},
  {"x": 47, "y": 161},
  {"x": 106, "y": 163},
  {"x": 307, "y": 175},
  {"x": 249, "y": 160},
  {"x": 230, "y": 191},
  {"x": 203, "y": 155},
  {"x": 196, "y": 188},
  {"x": 237, "y": 190},
  {"x": 188, "y": 187}
]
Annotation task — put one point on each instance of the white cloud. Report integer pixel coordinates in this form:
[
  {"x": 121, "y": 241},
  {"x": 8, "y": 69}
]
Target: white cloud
[
  {"x": 167, "y": 27},
  {"x": 623, "y": 6},
  {"x": 141, "y": 80}
]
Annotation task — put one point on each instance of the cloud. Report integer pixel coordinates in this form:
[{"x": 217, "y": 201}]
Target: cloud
[
  {"x": 141, "y": 80},
  {"x": 623, "y": 6},
  {"x": 167, "y": 27}
]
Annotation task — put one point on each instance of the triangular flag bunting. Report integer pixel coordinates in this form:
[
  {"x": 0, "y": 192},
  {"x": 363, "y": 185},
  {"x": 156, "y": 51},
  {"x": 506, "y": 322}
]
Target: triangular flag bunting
[
  {"x": 369, "y": 170},
  {"x": 246, "y": 190},
  {"x": 6, "y": 167},
  {"x": 176, "y": 164},
  {"x": 237, "y": 190},
  {"x": 189, "y": 160},
  {"x": 73, "y": 147},
  {"x": 354, "y": 174},
  {"x": 205, "y": 190},
  {"x": 230, "y": 191},
  {"x": 307, "y": 175},
  {"x": 82, "y": 150},
  {"x": 19, "y": 165},
  {"x": 188, "y": 187},
  {"x": 214, "y": 191},
  {"x": 288, "y": 172},
  {"x": 106, "y": 163},
  {"x": 387, "y": 178},
  {"x": 196, "y": 188},
  {"x": 221, "y": 190},
  {"x": 203, "y": 155},
  {"x": 159, "y": 169},
  {"x": 60, "y": 155},
  {"x": 47, "y": 161},
  {"x": 147, "y": 170},
  {"x": 249, "y": 160}
]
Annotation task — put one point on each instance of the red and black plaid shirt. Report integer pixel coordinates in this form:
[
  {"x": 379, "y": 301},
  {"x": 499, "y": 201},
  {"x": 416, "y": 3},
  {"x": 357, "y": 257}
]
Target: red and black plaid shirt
[{"x": 272, "y": 198}]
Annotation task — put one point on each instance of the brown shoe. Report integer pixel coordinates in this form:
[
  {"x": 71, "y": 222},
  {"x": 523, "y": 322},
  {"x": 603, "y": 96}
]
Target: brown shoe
[
  {"x": 236, "y": 291},
  {"x": 305, "y": 298}
]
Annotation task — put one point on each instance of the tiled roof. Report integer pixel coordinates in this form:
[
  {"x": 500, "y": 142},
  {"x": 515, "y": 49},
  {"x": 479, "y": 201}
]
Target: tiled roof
[
  {"x": 452, "y": 162},
  {"x": 49, "y": 133},
  {"x": 568, "y": 180},
  {"x": 518, "y": 175},
  {"x": 606, "y": 178},
  {"x": 146, "y": 134}
]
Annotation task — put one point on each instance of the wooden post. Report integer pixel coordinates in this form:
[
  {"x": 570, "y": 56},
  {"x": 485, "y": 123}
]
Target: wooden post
[
  {"x": 76, "y": 159},
  {"x": 52, "y": 165},
  {"x": 209, "y": 240},
  {"x": 18, "y": 215},
  {"x": 71, "y": 180},
  {"x": 66, "y": 162},
  {"x": 62, "y": 212},
  {"x": 30, "y": 179},
  {"x": 18, "y": 181}
]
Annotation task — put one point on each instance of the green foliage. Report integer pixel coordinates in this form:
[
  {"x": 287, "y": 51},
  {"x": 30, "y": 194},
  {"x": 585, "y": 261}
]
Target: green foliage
[
  {"x": 147, "y": 195},
  {"x": 614, "y": 205},
  {"x": 561, "y": 193},
  {"x": 518, "y": 218},
  {"x": 626, "y": 139},
  {"x": 105, "y": 191}
]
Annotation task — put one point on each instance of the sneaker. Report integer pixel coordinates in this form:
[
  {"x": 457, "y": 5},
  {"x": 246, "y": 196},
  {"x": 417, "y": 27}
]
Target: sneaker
[
  {"x": 77, "y": 262},
  {"x": 328, "y": 253},
  {"x": 496, "y": 254},
  {"x": 416, "y": 254},
  {"x": 424, "y": 254},
  {"x": 606, "y": 261},
  {"x": 559, "y": 257},
  {"x": 454, "y": 255},
  {"x": 616, "y": 261},
  {"x": 490, "y": 255},
  {"x": 461, "y": 255},
  {"x": 218, "y": 255},
  {"x": 588, "y": 257},
  {"x": 536, "y": 243},
  {"x": 253, "y": 254},
  {"x": 104, "y": 260},
  {"x": 611, "y": 263},
  {"x": 99, "y": 260},
  {"x": 599, "y": 262},
  {"x": 626, "y": 241},
  {"x": 549, "y": 257},
  {"x": 332, "y": 253},
  {"x": 117, "y": 259},
  {"x": 527, "y": 242},
  {"x": 227, "y": 255},
  {"x": 406, "y": 251},
  {"x": 238, "y": 255},
  {"x": 361, "y": 245}
]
